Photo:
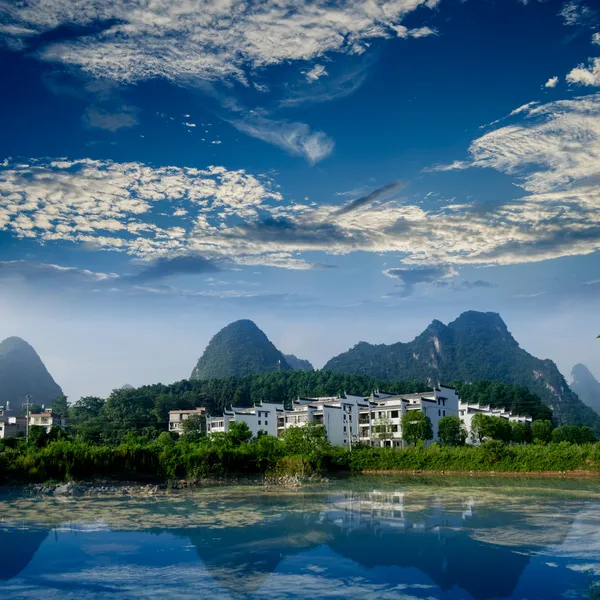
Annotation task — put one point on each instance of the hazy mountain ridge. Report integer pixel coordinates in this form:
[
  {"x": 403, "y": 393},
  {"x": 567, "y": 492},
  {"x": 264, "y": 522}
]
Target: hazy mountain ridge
[
  {"x": 238, "y": 349},
  {"x": 23, "y": 373},
  {"x": 475, "y": 346},
  {"x": 298, "y": 364},
  {"x": 586, "y": 386}
]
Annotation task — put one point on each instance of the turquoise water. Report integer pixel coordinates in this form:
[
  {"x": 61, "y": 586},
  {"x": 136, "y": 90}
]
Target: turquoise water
[{"x": 371, "y": 538}]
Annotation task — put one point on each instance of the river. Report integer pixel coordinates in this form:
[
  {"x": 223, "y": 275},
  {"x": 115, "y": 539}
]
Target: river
[{"x": 379, "y": 538}]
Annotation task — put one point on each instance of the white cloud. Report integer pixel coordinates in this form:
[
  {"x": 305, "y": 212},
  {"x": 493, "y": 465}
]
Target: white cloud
[
  {"x": 551, "y": 83},
  {"x": 583, "y": 75},
  {"x": 552, "y": 153},
  {"x": 596, "y": 39},
  {"x": 295, "y": 138},
  {"x": 316, "y": 72},
  {"x": 214, "y": 40},
  {"x": 575, "y": 13},
  {"x": 190, "y": 124}
]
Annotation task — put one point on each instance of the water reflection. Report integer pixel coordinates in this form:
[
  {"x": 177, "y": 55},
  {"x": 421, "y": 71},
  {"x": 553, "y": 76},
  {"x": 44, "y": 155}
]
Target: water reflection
[{"x": 402, "y": 539}]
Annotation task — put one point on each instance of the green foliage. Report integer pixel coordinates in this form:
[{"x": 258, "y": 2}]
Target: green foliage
[
  {"x": 541, "y": 431},
  {"x": 490, "y": 456},
  {"x": 147, "y": 408},
  {"x": 416, "y": 427},
  {"x": 487, "y": 427},
  {"x": 573, "y": 435},
  {"x": 60, "y": 406},
  {"x": 452, "y": 431},
  {"x": 521, "y": 433},
  {"x": 239, "y": 433},
  {"x": 194, "y": 424},
  {"x": 518, "y": 399}
]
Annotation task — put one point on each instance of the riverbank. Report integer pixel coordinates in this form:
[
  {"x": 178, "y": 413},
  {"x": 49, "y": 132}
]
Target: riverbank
[{"x": 267, "y": 459}]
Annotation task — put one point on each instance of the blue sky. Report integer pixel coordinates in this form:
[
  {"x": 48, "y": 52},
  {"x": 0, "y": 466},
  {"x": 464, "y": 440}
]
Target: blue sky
[{"x": 336, "y": 171}]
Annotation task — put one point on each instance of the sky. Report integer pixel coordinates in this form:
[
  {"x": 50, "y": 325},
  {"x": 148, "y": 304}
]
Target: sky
[{"x": 335, "y": 171}]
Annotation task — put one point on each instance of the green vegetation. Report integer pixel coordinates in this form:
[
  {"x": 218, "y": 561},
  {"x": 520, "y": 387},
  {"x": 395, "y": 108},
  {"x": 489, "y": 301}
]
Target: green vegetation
[
  {"x": 416, "y": 427},
  {"x": 476, "y": 346},
  {"x": 301, "y": 451},
  {"x": 241, "y": 348},
  {"x": 145, "y": 410},
  {"x": 518, "y": 399},
  {"x": 452, "y": 431}
]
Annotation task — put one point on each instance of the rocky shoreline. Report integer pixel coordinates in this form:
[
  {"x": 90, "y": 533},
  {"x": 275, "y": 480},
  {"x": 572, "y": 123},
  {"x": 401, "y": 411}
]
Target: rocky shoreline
[{"x": 111, "y": 488}]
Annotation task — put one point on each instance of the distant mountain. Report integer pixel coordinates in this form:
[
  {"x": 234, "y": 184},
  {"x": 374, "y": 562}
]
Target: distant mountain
[
  {"x": 298, "y": 364},
  {"x": 22, "y": 372},
  {"x": 241, "y": 348},
  {"x": 473, "y": 347},
  {"x": 586, "y": 386}
]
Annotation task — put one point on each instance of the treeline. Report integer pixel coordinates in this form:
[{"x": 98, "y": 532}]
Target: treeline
[
  {"x": 146, "y": 409},
  {"x": 300, "y": 451},
  {"x": 518, "y": 399}
]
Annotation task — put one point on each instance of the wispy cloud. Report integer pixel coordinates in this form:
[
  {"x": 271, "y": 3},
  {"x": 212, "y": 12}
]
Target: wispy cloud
[
  {"x": 295, "y": 138},
  {"x": 316, "y": 72},
  {"x": 576, "y": 12},
  {"x": 551, "y": 83},
  {"x": 100, "y": 118}
]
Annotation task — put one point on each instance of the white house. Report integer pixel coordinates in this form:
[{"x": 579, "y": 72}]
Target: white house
[
  {"x": 12, "y": 426},
  {"x": 467, "y": 411},
  {"x": 262, "y": 417},
  {"x": 177, "y": 417},
  {"x": 373, "y": 421},
  {"x": 47, "y": 419}
]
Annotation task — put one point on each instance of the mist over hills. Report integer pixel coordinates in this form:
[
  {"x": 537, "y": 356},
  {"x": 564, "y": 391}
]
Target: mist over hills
[
  {"x": 586, "y": 386},
  {"x": 23, "y": 373}
]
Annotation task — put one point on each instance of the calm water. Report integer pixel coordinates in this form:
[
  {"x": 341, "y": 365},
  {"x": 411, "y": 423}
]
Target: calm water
[{"x": 372, "y": 538}]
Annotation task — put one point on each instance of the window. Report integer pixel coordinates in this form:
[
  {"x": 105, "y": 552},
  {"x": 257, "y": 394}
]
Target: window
[
  {"x": 439, "y": 413},
  {"x": 394, "y": 428},
  {"x": 444, "y": 413},
  {"x": 394, "y": 414},
  {"x": 259, "y": 422},
  {"x": 344, "y": 429},
  {"x": 266, "y": 422}
]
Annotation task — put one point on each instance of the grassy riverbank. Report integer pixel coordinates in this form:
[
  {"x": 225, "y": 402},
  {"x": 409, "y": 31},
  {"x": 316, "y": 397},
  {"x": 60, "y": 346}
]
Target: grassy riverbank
[{"x": 69, "y": 460}]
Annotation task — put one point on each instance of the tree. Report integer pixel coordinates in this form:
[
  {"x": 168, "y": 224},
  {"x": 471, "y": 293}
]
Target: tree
[
  {"x": 519, "y": 432},
  {"x": 193, "y": 424},
  {"x": 541, "y": 431},
  {"x": 416, "y": 427},
  {"x": 452, "y": 431},
  {"x": 239, "y": 433},
  {"x": 85, "y": 409},
  {"x": 165, "y": 439},
  {"x": 309, "y": 440},
  {"x": 573, "y": 434},
  {"x": 382, "y": 428},
  {"x": 479, "y": 427},
  {"x": 60, "y": 406},
  {"x": 500, "y": 429}
]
